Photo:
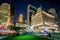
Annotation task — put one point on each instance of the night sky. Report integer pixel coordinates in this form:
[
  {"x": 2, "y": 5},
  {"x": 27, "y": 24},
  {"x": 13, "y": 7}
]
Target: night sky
[{"x": 21, "y": 6}]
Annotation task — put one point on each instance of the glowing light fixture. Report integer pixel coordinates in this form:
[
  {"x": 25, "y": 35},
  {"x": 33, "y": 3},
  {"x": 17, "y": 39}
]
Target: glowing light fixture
[{"x": 31, "y": 27}]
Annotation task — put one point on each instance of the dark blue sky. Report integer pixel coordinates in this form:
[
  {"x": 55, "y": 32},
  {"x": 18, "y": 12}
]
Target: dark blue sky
[{"x": 21, "y": 5}]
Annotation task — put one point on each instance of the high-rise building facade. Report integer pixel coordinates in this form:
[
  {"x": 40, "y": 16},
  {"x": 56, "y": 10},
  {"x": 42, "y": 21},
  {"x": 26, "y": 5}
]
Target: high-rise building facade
[
  {"x": 4, "y": 14},
  {"x": 43, "y": 20}
]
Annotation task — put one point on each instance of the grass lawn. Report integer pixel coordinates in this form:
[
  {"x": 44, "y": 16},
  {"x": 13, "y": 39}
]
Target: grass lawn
[
  {"x": 30, "y": 37},
  {"x": 26, "y": 37}
]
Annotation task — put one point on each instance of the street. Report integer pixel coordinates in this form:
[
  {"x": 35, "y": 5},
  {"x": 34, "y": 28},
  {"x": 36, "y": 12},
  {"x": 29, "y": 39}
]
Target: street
[{"x": 1, "y": 37}]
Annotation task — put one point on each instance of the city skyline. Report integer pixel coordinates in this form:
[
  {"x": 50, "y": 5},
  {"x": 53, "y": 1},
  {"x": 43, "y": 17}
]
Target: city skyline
[
  {"x": 21, "y": 6},
  {"x": 29, "y": 19}
]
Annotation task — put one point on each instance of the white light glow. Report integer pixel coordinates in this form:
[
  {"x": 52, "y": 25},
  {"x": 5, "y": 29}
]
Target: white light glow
[{"x": 31, "y": 27}]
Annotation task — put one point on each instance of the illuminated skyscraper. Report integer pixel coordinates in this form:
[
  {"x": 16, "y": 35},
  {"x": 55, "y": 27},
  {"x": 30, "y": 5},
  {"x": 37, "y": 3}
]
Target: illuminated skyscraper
[
  {"x": 20, "y": 19},
  {"x": 4, "y": 14}
]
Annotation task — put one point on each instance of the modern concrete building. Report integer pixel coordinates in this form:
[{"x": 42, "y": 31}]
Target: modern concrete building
[
  {"x": 43, "y": 20},
  {"x": 4, "y": 14}
]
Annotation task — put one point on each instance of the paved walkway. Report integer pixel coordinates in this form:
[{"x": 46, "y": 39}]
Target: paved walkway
[{"x": 1, "y": 37}]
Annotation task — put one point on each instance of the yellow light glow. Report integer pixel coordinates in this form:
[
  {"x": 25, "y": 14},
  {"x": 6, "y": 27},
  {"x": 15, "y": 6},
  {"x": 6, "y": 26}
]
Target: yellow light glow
[{"x": 20, "y": 18}]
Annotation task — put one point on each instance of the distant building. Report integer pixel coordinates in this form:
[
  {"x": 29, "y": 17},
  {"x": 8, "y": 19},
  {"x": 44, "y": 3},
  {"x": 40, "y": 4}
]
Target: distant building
[
  {"x": 20, "y": 22},
  {"x": 20, "y": 19},
  {"x": 52, "y": 11}
]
